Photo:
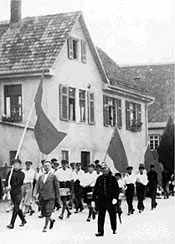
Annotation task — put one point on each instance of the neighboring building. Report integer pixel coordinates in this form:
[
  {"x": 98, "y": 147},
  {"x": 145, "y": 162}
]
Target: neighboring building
[
  {"x": 81, "y": 96},
  {"x": 159, "y": 81}
]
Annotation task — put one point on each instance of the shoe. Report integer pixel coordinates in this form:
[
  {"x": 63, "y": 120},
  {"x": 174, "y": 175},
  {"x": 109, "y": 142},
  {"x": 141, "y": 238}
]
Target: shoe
[
  {"x": 69, "y": 214},
  {"x": 99, "y": 234},
  {"x": 76, "y": 211},
  {"x": 129, "y": 213},
  {"x": 60, "y": 217},
  {"x": 10, "y": 226},
  {"x": 23, "y": 223},
  {"x": 114, "y": 232},
  {"x": 140, "y": 211},
  {"x": 44, "y": 229},
  {"x": 51, "y": 223},
  {"x": 132, "y": 211}
]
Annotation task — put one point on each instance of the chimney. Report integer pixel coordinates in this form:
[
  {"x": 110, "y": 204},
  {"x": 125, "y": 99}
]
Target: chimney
[{"x": 15, "y": 11}]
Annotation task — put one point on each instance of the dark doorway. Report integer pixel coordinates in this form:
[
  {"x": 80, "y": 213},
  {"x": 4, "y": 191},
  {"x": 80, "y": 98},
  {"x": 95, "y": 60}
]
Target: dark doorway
[{"x": 85, "y": 159}]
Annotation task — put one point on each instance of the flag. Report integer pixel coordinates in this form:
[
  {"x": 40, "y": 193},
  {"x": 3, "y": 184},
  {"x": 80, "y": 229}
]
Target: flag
[
  {"x": 46, "y": 135},
  {"x": 117, "y": 152}
]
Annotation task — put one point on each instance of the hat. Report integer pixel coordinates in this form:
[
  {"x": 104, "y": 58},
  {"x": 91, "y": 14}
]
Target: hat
[
  {"x": 118, "y": 174},
  {"x": 53, "y": 160},
  {"x": 78, "y": 163},
  {"x": 91, "y": 166},
  {"x": 72, "y": 163},
  {"x": 141, "y": 166},
  {"x": 28, "y": 162},
  {"x": 104, "y": 165},
  {"x": 129, "y": 167},
  {"x": 64, "y": 161}
]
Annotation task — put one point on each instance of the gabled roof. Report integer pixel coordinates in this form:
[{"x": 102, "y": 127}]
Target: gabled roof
[
  {"x": 159, "y": 81},
  {"x": 117, "y": 76},
  {"x": 35, "y": 42}
]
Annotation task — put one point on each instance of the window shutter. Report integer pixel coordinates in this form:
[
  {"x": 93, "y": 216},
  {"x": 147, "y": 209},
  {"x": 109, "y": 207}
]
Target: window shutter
[
  {"x": 83, "y": 51},
  {"x": 105, "y": 111},
  {"x": 91, "y": 108},
  {"x": 139, "y": 118},
  {"x": 63, "y": 99},
  {"x": 127, "y": 115},
  {"x": 70, "y": 48},
  {"x": 119, "y": 114}
]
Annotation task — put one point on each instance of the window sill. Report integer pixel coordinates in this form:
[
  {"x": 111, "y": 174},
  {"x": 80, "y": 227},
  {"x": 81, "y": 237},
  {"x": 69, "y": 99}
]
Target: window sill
[{"x": 77, "y": 122}]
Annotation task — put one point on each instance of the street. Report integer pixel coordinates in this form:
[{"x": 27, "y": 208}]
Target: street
[{"x": 156, "y": 227}]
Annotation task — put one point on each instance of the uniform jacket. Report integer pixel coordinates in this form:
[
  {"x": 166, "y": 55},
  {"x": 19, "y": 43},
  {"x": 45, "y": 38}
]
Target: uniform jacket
[
  {"x": 102, "y": 195},
  {"x": 152, "y": 179},
  {"x": 50, "y": 189},
  {"x": 16, "y": 181}
]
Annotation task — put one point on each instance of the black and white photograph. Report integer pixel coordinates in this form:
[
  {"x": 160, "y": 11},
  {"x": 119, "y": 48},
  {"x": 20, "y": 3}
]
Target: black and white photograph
[{"x": 87, "y": 118}]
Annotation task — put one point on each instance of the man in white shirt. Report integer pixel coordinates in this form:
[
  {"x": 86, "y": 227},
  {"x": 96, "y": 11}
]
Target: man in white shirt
[
  {"x": 65, "y": 178},
  {"x": 27, "y": 188},
  {"x": 88, "y": 182},
  {"x": 129, "y": 181},
  {"x": 141, "y": 182},
  {"x": 78, "y": 176}
]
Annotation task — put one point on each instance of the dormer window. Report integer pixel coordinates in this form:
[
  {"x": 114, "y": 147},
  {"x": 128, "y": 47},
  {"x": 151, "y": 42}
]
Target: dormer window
[
  {"x": 72, "y": 48},
  {"x": 76, "y": 49}
]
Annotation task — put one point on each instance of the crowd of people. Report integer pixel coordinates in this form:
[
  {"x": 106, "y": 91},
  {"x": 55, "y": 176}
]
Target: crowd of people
[{"x": 67, "y": 187}]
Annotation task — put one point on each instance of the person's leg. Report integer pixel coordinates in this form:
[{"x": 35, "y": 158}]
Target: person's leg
[
  {"x": 101, "y": 219},
  {"x": 113, "y": 217}
]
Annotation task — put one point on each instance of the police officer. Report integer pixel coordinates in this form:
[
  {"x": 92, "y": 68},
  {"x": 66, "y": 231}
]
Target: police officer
[
  {"x": 105, "y": 195},
  {"x": 16, "y": 178}
]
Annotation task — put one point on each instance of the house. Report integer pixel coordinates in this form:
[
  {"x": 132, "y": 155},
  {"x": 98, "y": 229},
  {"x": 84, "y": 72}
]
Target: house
[
  {"x": 159, "y": 81},
  {"x": 83, "y": 96}
]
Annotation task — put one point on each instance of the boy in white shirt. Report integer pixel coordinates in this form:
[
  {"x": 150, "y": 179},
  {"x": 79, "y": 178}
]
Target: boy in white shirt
[{"x": 141, "y": 182}]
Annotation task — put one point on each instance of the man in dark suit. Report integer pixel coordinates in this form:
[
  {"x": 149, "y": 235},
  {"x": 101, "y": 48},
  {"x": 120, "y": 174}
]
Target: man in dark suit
[
  {"x": 48, "y": 191},
  {"x": 152, "y": 185},
  {"x": 14, "y": 184},
  {"x": 105, "y": 195}
]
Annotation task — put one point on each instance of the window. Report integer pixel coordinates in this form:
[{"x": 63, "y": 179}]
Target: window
[
  {"x": 65, "y": 155},
  {"x": 12, "y": 103},
  {"x": 72, "y": 48},
  {"x": 91, "y": 108},
  {"x": 112, "y": 111},
  {"x": 12, "y": 155},
  {"x": 133, "y": 116},
  {"x": 82, "y": 104},
  {"x": 154, "y": 141},
  {"x": 67, "y": 103},
  {"x": 83, "y": 51},
  {"x": 71, "y": 104}
]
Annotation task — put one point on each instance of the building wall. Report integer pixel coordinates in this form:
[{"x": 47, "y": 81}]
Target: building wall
[{"x": 80, "y": 136}]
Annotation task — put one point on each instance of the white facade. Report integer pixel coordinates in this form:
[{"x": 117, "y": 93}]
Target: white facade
[{"x": 80, "y": 136}]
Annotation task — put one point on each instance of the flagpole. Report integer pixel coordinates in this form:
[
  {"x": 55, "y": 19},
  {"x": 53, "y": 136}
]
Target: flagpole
[{"x": 24, "y": 132}]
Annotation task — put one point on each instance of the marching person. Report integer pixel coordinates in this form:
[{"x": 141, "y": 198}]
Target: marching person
[
  {"x": 129, "y": 181},
  {"x": 65, "y": 178},
  {"x": 88, "y": 183},
  {"x": 27, "y": 189},
  {"x": 152, "y": 185},
  {"x": 171, "y": 185},
  {"x": 78, "y": 176},
  {"x": 47, "y": 193},
  {"x": 55, "y": 164},
  {"x": 15, "y": 188},
  {"x": 141, "y": 182},
  {"x": 165, "y": 183},
  {"x": 105, "y": 195}
]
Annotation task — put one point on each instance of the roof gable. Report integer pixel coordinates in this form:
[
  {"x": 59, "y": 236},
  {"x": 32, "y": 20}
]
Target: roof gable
[{"x": 35, "y": 43}]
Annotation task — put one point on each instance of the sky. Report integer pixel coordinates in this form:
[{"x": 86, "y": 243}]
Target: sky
[{"x": 130, "y": 31}]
